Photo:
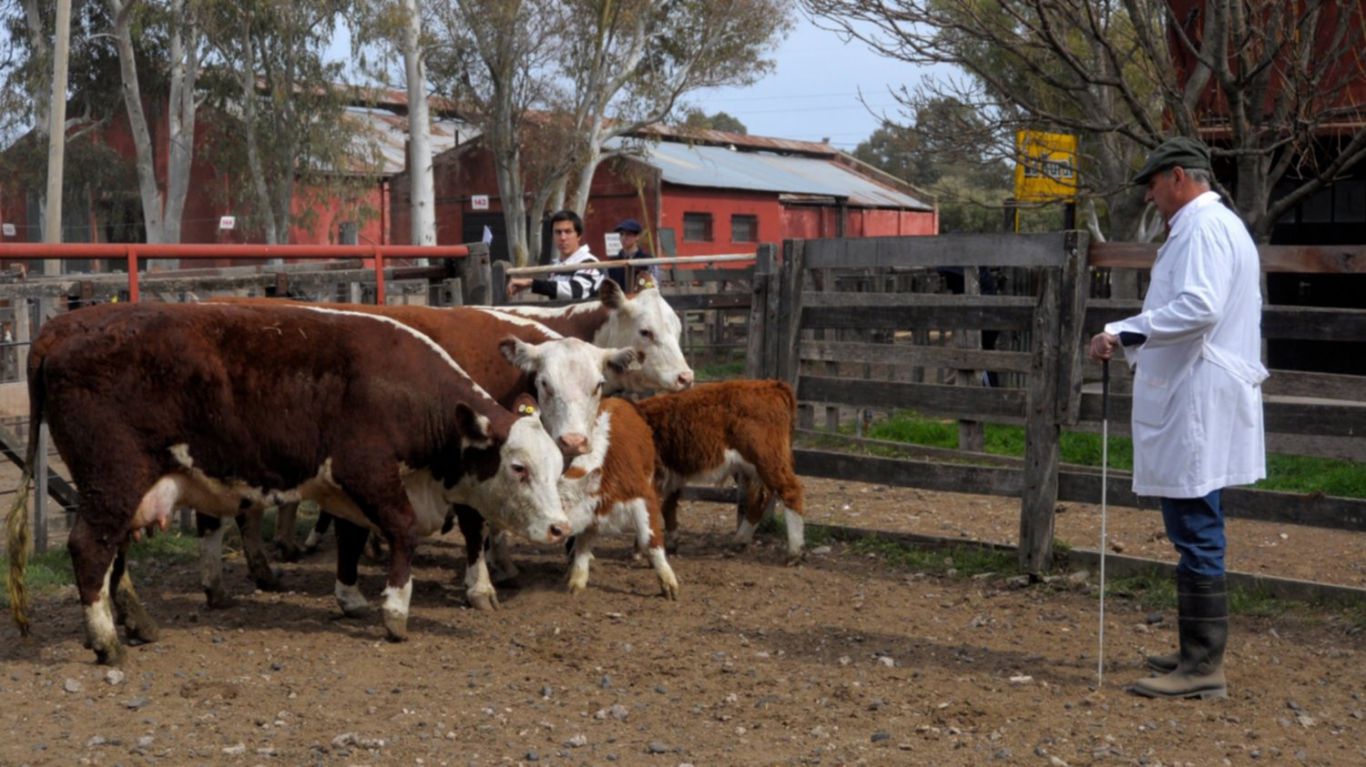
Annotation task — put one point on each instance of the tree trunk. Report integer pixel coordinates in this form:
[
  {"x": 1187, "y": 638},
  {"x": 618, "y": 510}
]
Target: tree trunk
[
  {"x": 181, "y": 116},
  {"x": 419, "y": 131},
  {"x": 150, "y": 195},
  {"x": 258, "y": 178}
]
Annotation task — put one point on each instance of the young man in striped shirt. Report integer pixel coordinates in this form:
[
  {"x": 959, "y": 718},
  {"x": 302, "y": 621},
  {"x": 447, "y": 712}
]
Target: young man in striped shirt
[{"x": 567, "y": 230}]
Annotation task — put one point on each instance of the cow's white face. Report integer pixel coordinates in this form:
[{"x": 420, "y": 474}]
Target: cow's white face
[
  {"x": 647, "y": 324},
  {"x": 570, "y": 376},
  {"x": 522, "y": 496}
]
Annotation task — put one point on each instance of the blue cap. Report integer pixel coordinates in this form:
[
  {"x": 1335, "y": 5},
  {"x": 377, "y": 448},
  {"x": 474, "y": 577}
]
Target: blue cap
[{"x": 629, "y": 225}]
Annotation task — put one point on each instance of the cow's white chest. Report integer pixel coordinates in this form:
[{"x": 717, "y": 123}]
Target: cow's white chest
[{"x": 427, "y": 496}]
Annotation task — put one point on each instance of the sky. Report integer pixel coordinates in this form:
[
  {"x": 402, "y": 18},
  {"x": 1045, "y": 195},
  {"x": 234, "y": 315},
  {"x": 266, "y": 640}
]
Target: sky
[{"x": 813, "y": 93}]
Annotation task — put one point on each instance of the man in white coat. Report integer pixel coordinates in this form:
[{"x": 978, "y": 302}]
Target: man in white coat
[{"x": 1197, "y": 401}]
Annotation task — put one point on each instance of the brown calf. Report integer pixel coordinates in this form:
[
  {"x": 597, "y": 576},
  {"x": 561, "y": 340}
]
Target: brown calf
[{"x": 731, "y": 428}]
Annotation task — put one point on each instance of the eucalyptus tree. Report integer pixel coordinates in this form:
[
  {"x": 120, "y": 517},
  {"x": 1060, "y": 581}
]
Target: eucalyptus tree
[{"x": 1268, "y": 81}]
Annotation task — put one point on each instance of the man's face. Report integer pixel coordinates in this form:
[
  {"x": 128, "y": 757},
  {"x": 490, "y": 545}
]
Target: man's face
[
  {"x": 566, "y": 239},
  {"x": 1163, "y": 192},
  {"x": 628, "y": 240}
]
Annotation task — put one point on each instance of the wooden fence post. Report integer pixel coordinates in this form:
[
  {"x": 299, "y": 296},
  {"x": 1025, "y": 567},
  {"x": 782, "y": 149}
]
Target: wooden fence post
[
  {"x": 476, "y": 276},
  {"x": 498, "y": 290},
  {"x": 1076, "y": 282},
  {"x": 756, "y": 363},
  {"x": 1040, "y": 496},
  {"x": 789, "y": 321},
  {"x": 971, "y": 434}
]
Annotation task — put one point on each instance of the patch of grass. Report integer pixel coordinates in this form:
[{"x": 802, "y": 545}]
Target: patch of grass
[
  {"x": 964, "y": 560},
  {"x": 1151, "y": 589},
  {"x": 46, "y": 572},
  {"x": 720, "y": 371},
  {"x": 1286, "y": 473},
  {"x": 51, "y": 569}
]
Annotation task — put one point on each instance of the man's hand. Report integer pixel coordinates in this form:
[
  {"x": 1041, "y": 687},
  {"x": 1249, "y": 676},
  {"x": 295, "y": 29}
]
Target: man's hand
[
  {"x": 517, "y": 285},
  {"x": 1102, "y": 346}
]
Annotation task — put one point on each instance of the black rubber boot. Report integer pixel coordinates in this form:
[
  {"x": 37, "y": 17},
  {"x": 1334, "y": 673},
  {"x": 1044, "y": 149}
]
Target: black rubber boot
[{"x": 1202, "y": 607}]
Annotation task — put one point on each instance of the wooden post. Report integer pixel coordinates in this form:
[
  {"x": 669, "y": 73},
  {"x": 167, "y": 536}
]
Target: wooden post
[
  {"x": 971, "y": 435},
  {"x": 755, "y": 361},
  {"x": 825, "y": 283},
  {"x": 23, "y": 336},
  {"x": 1040, "y": 494},
  {"x": 1076, "y": 281},
  {"x": 452, "y": 292},
  {"x": 476, "y": 275},
  {"x": 790, "y": 315},
  {"x": 498, "y": 295}
]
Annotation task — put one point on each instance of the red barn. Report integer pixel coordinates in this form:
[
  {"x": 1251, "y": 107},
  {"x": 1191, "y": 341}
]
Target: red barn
[
  {"x": 320, "y": 217},
  {"x": 697, "y": 193}
]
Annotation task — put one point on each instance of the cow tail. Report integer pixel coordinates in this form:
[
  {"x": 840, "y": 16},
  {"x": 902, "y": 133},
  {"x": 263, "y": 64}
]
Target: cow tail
[{"x": 19, "y": 538}]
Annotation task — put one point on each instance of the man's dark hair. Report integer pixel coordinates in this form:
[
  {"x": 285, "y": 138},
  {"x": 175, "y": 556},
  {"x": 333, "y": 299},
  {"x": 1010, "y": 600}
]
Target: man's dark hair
[{"x": 571, "y": 217}]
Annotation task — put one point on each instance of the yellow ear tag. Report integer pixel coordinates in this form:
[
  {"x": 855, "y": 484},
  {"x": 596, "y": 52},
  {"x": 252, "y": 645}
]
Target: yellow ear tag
[
  {"x": 525, "y": 409},
  {"x": 645, "y": 282}
]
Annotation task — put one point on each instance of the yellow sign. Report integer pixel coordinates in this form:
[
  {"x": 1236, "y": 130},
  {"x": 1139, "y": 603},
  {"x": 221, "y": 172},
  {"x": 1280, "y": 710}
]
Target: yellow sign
[{"x": 1045, "y": 166}]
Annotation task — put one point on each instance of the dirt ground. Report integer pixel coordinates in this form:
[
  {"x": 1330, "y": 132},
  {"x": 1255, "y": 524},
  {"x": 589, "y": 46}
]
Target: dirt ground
[{"x": 843, "y": 660}]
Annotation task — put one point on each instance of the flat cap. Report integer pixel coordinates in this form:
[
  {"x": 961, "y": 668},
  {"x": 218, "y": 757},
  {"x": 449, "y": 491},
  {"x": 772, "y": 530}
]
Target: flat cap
[{"x": 1180, "y": 151}]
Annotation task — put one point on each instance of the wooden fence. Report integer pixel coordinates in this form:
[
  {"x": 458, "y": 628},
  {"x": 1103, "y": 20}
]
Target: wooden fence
[
  {"x": 866, "y": 325},
  {"x": 853, "y": 350}
]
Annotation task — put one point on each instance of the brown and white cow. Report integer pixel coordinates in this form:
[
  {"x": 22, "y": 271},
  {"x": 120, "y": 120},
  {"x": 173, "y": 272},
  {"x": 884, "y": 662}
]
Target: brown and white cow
[
  {"x": 231, "y": 408},
  {"x": 730, "y": 428},
  {"x": 610, "y": 489},
  {"x": 508, "y": 359},
  {"x": 644, "y": 322}
]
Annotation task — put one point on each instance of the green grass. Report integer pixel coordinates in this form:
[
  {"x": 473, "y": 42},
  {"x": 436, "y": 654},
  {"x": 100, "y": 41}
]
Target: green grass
[
  {"x": 720, "y": 371},
  {"x": 1286, "y": 473},
  {"x": 51, "y": 569}
]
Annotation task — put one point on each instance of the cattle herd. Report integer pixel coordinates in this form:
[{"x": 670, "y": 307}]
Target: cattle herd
[{"x": 397, "y": 421}]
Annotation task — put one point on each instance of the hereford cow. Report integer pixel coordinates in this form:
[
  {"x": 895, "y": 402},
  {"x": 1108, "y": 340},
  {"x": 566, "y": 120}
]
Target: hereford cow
[
  {"x": 611, "y": 489},
  {"x": 644, "y": 322},
  {"x": 508, "y": 359},
  {"x": 731, "y": 428},
  {"x": 231, "y": 408}
]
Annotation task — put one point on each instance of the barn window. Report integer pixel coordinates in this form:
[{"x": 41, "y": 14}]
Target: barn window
[
  {"x": 744, "y": 228},
  {"x": 697, "y": 227}
]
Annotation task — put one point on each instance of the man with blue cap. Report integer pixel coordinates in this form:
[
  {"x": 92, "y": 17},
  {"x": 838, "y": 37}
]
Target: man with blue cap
[
  {"x": 1197, "y": 399},
  {"x": 640, "y": 277}
]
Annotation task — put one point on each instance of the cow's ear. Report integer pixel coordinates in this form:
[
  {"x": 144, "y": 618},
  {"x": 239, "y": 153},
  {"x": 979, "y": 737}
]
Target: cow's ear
[
  {"x": 611, "y": 295},
  {"x": 475, "y": 429},
  {"x": 619, "y": 360},
  {"x": 519, "y": 353}
]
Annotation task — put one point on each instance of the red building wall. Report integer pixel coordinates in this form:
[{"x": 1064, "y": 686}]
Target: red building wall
[
  {"x": 318, "y": 215},
  {"x": 658, "y": 206}
]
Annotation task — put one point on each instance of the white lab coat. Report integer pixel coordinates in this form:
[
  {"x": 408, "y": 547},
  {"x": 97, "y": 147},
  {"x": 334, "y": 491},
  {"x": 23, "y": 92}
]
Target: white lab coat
[{"x": 1197, "y": 403}]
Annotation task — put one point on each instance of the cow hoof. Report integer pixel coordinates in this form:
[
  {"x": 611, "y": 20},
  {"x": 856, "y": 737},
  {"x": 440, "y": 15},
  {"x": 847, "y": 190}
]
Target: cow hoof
[
  {"x": 112, "y": 655},
  {"x": 669, "y": 591},
  {"x": 218, "y": 599},
  {"x": 289, "y": 552},
  {"x": 271, "y": 583},
  {"x": 142, "y": 631},
  {"x": 355, "y": 611},
  {"x": 483, "y": 602},
  {"x": 794, "y": 559},
  {"x": 395, "y": 626}
]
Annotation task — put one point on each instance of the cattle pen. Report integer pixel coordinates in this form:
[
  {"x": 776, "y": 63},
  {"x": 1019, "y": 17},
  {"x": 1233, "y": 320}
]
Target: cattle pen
[
  {"x": 860, "y": 327},
  {"x": 914, "y": 632}
]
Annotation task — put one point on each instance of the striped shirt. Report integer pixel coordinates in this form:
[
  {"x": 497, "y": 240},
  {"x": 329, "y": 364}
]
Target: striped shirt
[{"x": 572, "y": 286}]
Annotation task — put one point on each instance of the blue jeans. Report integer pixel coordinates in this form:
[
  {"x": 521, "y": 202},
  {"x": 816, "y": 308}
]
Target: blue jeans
[{"x": 1195, "y": 526}]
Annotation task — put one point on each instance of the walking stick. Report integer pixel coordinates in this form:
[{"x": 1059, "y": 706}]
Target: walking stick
[{"x": 1104, "y": 490}]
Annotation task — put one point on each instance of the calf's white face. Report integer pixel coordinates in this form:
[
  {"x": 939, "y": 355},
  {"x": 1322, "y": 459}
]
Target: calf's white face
[
  {"x": 522, "y": 496},
  {"x": 647, "y": 324},
  {"x": 570, "y": 375}
]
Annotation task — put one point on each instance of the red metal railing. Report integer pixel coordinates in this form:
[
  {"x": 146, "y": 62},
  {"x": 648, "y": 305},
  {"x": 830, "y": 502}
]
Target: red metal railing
[{"x": 131, "y": 252}]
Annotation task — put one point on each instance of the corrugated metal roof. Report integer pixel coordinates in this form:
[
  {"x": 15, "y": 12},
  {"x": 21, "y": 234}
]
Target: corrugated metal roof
[
  {"x": 724, "y": 168},
  {"x": 388, "y": 133}
]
